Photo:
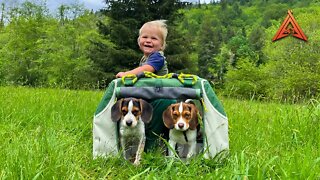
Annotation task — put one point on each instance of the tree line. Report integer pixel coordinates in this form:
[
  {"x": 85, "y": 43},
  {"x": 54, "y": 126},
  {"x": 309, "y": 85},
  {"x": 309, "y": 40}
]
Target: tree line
[{"x": 227, "y": 42}]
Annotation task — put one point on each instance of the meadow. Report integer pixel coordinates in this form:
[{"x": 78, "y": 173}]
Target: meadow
[{"x": 47, "y": 134}]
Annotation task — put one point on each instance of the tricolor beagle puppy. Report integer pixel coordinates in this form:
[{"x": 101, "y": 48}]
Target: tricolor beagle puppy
[
  {"x": 132, "y": 113},
  {"x": 182, "y": 120}
]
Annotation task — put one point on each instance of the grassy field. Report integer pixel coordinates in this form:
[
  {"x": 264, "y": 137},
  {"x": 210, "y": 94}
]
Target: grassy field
[{"x": 47, "y": 134}]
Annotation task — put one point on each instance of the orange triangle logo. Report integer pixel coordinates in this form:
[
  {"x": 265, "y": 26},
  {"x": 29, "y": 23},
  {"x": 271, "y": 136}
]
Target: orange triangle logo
[{"x": 289, "y": 26}]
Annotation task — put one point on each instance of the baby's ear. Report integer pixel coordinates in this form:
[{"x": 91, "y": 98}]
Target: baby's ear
[
  {"x": 138, "y": 39},
  {"x": 163, "y": 46}
]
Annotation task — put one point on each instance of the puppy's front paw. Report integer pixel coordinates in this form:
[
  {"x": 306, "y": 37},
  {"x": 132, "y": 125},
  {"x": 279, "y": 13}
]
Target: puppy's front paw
[
  {"x": 170, "y": 153},
  {"x": 136, "y": 162},
  {"x": 189, "y": 155}
]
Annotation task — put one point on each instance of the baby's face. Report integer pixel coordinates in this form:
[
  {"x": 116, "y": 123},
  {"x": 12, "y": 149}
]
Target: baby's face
[{"x": 150, "y": 40}]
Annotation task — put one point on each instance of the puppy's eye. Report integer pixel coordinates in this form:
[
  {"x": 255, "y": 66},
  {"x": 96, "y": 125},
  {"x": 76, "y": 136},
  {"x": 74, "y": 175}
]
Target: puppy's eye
[
  {"x": 175, "y": 114},
  {"x": 187, "y": 115},
  {"x": 124, "y": 112},
  {"x": 135, "y": 113}
]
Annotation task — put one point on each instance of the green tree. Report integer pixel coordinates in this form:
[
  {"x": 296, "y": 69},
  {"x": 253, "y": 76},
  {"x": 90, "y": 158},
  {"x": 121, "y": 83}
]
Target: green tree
[
  {"x": 65, "y": 58},
  {"x": 245, "y": 81},
  {"x": 19, "y": 52},
  {"x": 209, "y": 45},
  {"x": 256, "y": 42},
  {"x": 37, "y": 50},
  {"x": 223, "y": 62},
  {"x": 273, "y": 12}
]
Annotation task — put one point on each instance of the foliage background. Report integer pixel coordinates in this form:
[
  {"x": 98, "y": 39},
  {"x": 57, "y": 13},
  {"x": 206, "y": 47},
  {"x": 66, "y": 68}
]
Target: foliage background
[
  {"x": 46, "y": 133},
  {"x": 227, "y": 42}
]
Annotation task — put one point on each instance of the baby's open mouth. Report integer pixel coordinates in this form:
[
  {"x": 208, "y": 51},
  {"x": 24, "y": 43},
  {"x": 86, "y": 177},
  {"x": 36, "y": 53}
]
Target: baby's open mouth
[{"x": 149, "y": 46}]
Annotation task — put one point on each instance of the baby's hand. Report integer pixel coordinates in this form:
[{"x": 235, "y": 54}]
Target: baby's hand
[{"x": 120, "y": 74}]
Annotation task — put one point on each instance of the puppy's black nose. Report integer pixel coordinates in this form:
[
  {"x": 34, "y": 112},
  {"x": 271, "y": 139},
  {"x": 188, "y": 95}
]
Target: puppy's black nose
[
  {"x": 180, "y": 125},
  {"x": 129, "y": 122}
]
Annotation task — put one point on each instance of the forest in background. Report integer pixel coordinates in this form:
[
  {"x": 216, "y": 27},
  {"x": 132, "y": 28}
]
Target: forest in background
[{"x": 227, "y": 42}]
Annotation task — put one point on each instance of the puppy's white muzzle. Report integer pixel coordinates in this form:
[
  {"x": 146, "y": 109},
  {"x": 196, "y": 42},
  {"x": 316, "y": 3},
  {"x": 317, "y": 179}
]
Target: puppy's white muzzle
[{"x": 181, "y": 125}]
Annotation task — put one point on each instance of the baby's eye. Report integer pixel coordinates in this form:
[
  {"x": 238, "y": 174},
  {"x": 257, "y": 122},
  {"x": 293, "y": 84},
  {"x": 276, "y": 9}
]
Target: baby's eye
[{"x": 154, "y": 38}]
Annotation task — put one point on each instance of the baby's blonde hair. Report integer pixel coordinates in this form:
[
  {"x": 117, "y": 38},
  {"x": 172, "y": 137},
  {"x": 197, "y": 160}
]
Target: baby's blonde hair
[{"x": 161, "y": 24}]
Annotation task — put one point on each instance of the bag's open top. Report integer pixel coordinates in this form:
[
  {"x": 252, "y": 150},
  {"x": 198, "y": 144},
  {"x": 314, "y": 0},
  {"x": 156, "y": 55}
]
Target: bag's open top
[{"x": 150, "y": 87}]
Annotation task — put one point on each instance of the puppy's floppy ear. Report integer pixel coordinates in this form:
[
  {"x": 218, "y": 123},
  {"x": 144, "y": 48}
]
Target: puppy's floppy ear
[
  {"x": 146, "y": 111},
  {"x": 167, "y": 117},
  {"x": 193, "y": 123},
  {"x": 116, "y": 111}
]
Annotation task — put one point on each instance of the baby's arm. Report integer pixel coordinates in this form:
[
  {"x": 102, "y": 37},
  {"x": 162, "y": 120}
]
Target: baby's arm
[{"x": 137, "y": 70}]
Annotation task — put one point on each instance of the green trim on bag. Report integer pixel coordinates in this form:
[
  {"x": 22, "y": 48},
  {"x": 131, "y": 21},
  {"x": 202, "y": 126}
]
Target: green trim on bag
[
  {"x": 150, "y": 82},
  {"x": 213, "y": 98},
  {"x": 106, "y": 97}
]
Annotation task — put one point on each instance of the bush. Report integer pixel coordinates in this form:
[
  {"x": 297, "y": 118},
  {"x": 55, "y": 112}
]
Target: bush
[{"x": 245, "y": 81}]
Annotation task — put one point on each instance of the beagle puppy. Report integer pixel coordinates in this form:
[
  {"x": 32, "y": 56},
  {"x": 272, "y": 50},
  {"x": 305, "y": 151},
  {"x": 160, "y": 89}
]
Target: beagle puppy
[
  {"x": 182, "y": 120},
  {"x": 132, "y": 113}
]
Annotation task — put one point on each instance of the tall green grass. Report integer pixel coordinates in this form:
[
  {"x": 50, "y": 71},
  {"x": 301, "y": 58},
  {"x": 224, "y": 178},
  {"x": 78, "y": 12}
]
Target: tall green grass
[{"x": 47, "y": 134}]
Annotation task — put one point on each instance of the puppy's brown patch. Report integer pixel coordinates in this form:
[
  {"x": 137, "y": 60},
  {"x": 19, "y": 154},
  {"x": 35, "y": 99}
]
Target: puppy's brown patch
[{"x": 189, "y": 114}]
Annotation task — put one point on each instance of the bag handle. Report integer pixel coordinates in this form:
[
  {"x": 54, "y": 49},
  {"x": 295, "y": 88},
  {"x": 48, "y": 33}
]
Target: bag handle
[
  {"x": 185, "y": 79},
  {"x": 188, "y": 79},
  {"x": 129, "y": 80}
]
